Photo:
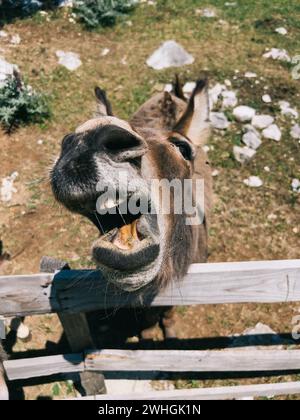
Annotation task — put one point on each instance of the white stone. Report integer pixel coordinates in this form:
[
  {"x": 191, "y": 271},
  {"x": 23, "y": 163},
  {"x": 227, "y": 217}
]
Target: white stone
[
  {"x": 189, "y": 87},
  {"x": 23, "y": 332},
  {"x": 296, "y": 185},
  {"x": 267, "y": 169},
  {"x": 253, "y": 182},
  {"x": 262, "y": 121},
  {"x": 287, "y": 110},
  {"x": 295, "y": 132},
  {"x": 249, "y": 127},
  {"x": 273, "y": 132},
  {"x": 215, "y": 172},
  {"x": 250, "y": 75},
  {"x": 281, "y": 31},
  {"x": 259, "y": 336},
  {"x": 40, "y": 142},
  {"x": 208, "y": 13},
  {"x": 229, "y": 99},
  {"x": 243, "y": 113},
  {"x": 168, "y": 87},
  {"x": 169, "y": 54},
  {"x": 6, "y": 69},
  {"x": 278, "y": 54},
  {"x": 215, "y": 93},
  {"x": 267, "y": 99},
  {"x": 68, "y": 59},
  {"x": 104, "y": 52},
  {"x": 243, "y": 154},
  {"x": 219, "y": 120},
  {"x": 3, "y": 34},
  {"x": 206, "y": 148},
  {"x": 65, "y": 3},
  {"x": 7, "y": 189},
  {"x": 250, "y": 139},
  {"x": 15, "y": 39},
  {"x": 227, "y": 83}
]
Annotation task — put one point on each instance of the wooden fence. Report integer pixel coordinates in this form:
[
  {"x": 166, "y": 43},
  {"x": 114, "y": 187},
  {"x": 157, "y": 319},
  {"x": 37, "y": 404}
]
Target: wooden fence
[{"x": 72, "y": 293}]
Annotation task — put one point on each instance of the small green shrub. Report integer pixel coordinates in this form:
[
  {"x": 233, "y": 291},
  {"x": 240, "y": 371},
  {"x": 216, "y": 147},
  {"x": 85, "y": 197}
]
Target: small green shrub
[
  {"x": 20, "y": 104},
  {"x": 95, "y": 13}
]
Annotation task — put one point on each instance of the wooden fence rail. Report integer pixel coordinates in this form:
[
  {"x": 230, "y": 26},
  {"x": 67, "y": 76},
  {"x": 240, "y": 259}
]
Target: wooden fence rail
[
  {"x": 118, "y": 361},
  {"x": 73, "y": 291}
]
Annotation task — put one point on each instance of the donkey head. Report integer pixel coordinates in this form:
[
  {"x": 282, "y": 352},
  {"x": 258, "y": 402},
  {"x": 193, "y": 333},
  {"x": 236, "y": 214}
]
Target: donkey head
[{"x": 105, "y": 171}]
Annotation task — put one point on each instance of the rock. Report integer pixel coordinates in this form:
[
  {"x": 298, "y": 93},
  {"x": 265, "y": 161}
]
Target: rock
[
  {"x": 278, "y": 54},
  {"x": 206, "y": 148},
  {"x": 207, "y": 12},
  {"x": 267, "y": 169},
  {"x": 215, "y": 93},
  {"x": 249, "y": 127},
  {"x": 188, "y": 88},
  {"x": 65, "y": 3},
  {"x": 7, "y": 189},
  {"x": 6, "y": 70},
  {"x": 262, "y": 121},
  {"x": 250, "y": 75},
  {"x": 68, "y": 59},
  {"x": 3, "y": 34},
  {"x": 267, "y": 99},
  {"x": 251, "y": 140},
  {"x": 23, "y": 332},
  {"x": 243, "y": 113},
  {"x": 104, "y": 52},
  {"x": 215, "y": 172},
  {"x": 169, "y": 54},
  {"x": 15, "y": 39},
  {"x": 168, "y": 87},
  {"x": 295, "y": 132},
  {"x": 259, "y": 336},
  {"x": 229, "y": 99},
  {"x": 273, "y": 132},
  {"x": 287, "y": 110},
  {"x": 281, "y": 31},
  {"x": 243, "y": 154},
  {"x": 40, "y": 142},
  {"x": 296, "y": 185},
  {"x": 219, "y": 120},
  {"x": 253, "y": 182}
]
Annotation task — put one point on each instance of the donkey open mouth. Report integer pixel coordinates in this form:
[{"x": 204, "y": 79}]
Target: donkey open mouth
[{"x": 143, "y": 245}]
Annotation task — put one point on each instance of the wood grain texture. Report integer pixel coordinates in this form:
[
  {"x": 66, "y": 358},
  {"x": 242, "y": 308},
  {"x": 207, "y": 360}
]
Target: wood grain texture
[
  {"x": 35, "y": 367},
  {"x": 219, "y": 393},
  {"x": 71, "y": 291},
  {"x": 246, "y": 360}
]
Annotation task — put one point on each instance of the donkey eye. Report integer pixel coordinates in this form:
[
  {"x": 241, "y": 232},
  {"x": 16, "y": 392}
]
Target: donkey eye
[{"x": 184, "y": 148}]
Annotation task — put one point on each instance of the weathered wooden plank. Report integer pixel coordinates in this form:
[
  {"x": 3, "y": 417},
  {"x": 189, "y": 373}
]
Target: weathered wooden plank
[
  {"x": 35, "y": 367},
  {"x": 219, "y": 393},
  {"x": 156, "y": 360},
  {"x": 193, "y": 360},
  {"x": 3, "y": 387},
  {"x": 72, "y": 291}
]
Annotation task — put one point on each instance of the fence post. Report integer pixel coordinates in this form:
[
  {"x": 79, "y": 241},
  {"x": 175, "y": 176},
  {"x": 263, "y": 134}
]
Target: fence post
[{"x": 78, "y": 333}]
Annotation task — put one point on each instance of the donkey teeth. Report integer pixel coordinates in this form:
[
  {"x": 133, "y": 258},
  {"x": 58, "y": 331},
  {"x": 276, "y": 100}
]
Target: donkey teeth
[{"x": 110, "y": 203}]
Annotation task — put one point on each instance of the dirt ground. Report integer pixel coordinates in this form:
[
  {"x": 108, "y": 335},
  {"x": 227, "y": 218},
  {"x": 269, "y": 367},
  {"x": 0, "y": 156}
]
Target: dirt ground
[{"x": 247, "y": 224}]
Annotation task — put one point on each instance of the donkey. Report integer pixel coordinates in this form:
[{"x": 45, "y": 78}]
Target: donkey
[{"x": 163, "y": 140}]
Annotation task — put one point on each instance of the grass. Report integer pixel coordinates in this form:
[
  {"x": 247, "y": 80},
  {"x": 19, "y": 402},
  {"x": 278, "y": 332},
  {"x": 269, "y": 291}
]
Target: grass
[{"x": 240, "y": 228}]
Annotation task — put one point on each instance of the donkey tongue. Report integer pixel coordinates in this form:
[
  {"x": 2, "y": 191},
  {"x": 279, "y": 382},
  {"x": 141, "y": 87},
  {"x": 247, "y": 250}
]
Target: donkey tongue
[{"x": 126, "y": 237}]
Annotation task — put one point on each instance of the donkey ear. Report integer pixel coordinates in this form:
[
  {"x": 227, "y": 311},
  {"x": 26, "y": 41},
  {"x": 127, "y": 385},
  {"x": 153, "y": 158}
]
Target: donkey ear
[
  {"x": 194, "y": 123},
  {"x": 103, "y": 104}
]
